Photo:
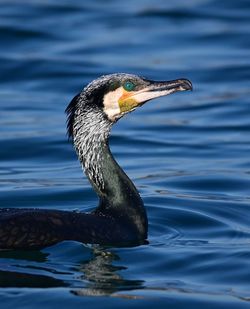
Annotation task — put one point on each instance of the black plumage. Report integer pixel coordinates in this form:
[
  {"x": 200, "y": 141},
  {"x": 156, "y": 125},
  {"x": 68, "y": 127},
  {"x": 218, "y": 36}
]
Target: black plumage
[{"x": 120, "y": 218}]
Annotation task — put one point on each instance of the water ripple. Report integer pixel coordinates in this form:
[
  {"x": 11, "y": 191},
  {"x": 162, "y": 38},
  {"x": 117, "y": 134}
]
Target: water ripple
[{"x": 188, "y": 154}]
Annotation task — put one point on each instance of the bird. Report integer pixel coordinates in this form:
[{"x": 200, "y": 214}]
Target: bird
[{"x": 120, "y": 219}]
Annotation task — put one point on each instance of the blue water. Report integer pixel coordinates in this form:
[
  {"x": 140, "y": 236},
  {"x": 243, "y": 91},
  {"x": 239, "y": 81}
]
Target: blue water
[{"x": 188, "y": 153}]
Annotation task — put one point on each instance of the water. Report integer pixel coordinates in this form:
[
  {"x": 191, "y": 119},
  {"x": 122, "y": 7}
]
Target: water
[{"x": 188, "y": 153}]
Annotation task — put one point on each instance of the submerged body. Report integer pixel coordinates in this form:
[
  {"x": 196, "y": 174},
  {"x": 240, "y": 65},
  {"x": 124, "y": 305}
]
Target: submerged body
[
  {"x": 37, "y": 228},
  {"x": 120, "y": 219}
]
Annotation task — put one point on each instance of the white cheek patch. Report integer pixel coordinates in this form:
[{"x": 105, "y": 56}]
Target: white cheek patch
[
  {"x": 111, "y": 105},
  {"x": 111, "y": 100}
]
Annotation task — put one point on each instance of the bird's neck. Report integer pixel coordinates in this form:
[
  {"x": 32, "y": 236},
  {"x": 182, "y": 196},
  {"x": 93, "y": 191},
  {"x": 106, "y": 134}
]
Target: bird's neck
[
  {"x": 118, "y": 195},
  {"x": 91, "y": 133}
]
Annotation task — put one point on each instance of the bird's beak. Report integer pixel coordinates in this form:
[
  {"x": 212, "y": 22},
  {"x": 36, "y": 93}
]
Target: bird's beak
[
  {"x": 130, "y": 101},
  {"x": 159, "y": 89}
]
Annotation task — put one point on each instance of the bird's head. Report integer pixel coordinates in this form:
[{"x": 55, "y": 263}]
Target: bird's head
[{"x": 118, "y": 94}]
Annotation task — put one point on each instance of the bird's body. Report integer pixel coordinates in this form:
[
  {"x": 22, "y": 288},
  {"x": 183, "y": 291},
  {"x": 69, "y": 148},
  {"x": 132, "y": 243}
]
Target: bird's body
[{"x": 120, "y": 219}]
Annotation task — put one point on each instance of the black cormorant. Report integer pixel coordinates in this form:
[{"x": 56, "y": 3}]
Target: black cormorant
[{"x": 120, "y": 219}]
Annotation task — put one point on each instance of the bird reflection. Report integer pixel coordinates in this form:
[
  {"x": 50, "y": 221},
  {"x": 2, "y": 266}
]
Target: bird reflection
[
  {"x": 97, "y": 276},
  {"x": 15, "y": 268},
  {"x": 103, "y": 277}
]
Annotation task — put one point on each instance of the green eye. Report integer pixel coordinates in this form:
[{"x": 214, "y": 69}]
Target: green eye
[{"x": 129, "y": 86}]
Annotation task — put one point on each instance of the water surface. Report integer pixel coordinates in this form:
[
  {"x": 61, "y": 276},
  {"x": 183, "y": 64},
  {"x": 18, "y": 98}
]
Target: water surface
[{"x": 188, "y": 153}]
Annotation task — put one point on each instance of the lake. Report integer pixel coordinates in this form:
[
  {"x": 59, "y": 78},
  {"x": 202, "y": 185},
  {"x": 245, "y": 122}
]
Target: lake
[{"x": 188, "y": 154}]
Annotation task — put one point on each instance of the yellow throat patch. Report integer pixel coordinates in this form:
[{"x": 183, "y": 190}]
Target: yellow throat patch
[
  {"x": 118, "y": 102},
  {"x": 127, "y": 102}
]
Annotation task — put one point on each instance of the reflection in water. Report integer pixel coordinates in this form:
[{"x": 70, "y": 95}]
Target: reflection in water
[
  {"x": 16, "y": 279},
  {"x": 18, "y": 273},
  {"x": 35, "y": 255},
  {"x": 97, "y": 275},
  {"x": 103, "y": 277}
]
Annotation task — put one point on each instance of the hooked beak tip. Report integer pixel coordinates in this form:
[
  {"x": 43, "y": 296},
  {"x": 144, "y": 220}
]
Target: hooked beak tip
[
  {"x": 181, "y": 84},
  {"x": 186, "y": 84}
]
